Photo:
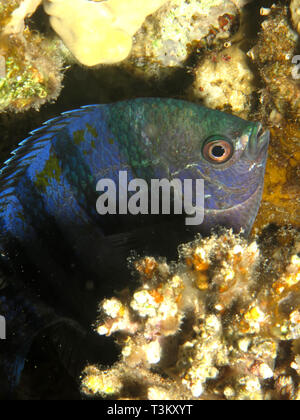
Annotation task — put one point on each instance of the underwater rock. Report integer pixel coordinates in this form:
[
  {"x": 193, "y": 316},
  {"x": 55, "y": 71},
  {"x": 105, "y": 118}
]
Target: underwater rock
[
  {"x": 273, "y": 56},
  {"x": 168, "y": 36},
  {"x": 279, "y": 109},
  {"x": 224, "y": 81},
  {"x": 295, "y": 13},
  {"x": 31, "y": 69},
  {"x": 280, "y": 203},
  {"x": 98, "y": 32},
  {"x": 219, "y": 324}
]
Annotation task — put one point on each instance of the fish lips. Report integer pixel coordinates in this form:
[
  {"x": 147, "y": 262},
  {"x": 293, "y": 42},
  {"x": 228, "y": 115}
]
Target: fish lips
[
  {"x": 242, "y": 216},
  {"x": 239, "y": 218}
]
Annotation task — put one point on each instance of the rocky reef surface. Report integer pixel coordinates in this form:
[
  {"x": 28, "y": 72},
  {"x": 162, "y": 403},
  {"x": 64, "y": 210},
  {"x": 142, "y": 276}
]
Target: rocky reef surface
[
  {"x": 274, "y": 55},
  {"x": 222, "y": 323},
  {"x": 30, "y": 63},
  {"x": 167, "y": 38}
]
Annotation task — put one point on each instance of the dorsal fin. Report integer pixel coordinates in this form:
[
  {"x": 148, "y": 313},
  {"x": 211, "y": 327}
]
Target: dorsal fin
[{"x": 29, "y": 148}]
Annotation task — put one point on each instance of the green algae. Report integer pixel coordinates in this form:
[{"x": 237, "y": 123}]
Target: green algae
[
  {"x": 92, "y": 130},
  {"x": 51, "y": 171},
  {"x": 78, "y": 136},
  {"x": 32, "y": 65}
]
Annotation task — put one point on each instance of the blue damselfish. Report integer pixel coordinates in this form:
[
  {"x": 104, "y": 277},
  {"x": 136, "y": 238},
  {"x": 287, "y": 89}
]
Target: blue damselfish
[{"x": 62, "y": 256}]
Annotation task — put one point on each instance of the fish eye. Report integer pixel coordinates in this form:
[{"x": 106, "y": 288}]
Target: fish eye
[{"x": 217, "y": 150}]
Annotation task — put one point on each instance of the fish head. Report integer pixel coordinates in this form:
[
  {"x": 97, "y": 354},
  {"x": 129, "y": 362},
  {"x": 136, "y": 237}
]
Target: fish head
[{"x": 231, "y": 155}]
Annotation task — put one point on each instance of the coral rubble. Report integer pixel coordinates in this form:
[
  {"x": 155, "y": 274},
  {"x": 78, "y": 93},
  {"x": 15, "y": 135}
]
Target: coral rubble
[
  {"x": 222, "y": 323},
  {"x": 281, "y": 196},
  {"x": 31, "y": 69},
  {"x": 273, "y": 55},
  {"x": 168, "y": 36},
  {"x": 224, "y": 81},
  {"x": 279, "y": 109}
]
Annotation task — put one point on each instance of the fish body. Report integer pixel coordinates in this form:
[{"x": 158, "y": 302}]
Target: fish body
[{"x": 49, "y": 224}]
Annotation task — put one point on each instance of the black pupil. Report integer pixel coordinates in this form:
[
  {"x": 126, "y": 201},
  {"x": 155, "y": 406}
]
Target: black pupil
[{"x": 218, "y": 151}]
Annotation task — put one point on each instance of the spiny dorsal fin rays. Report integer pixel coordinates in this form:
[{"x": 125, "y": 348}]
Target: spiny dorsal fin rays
[{"x": 29, "y": 148}]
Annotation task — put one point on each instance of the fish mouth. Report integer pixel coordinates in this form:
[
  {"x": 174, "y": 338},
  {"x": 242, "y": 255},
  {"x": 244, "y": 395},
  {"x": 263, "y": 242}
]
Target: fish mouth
[{"x": 238, "y": 217}]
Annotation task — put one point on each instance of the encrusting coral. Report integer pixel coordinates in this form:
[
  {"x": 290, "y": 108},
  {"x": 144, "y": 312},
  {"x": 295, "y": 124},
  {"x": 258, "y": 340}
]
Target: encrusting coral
[
  {"x": 279, "y": 109},
  {"x": 273, "y": 55},
  {"x": 281, "y": 196},
  {"x": 223, "y": 80},
  {"x": 167, "y": 37},
  {"x": 31, "y": 66},
  {"x": 222, "y": 323}
]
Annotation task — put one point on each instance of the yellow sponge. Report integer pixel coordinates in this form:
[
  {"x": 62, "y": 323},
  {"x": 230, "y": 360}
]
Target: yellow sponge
[{"x": 99, "y": 31}]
